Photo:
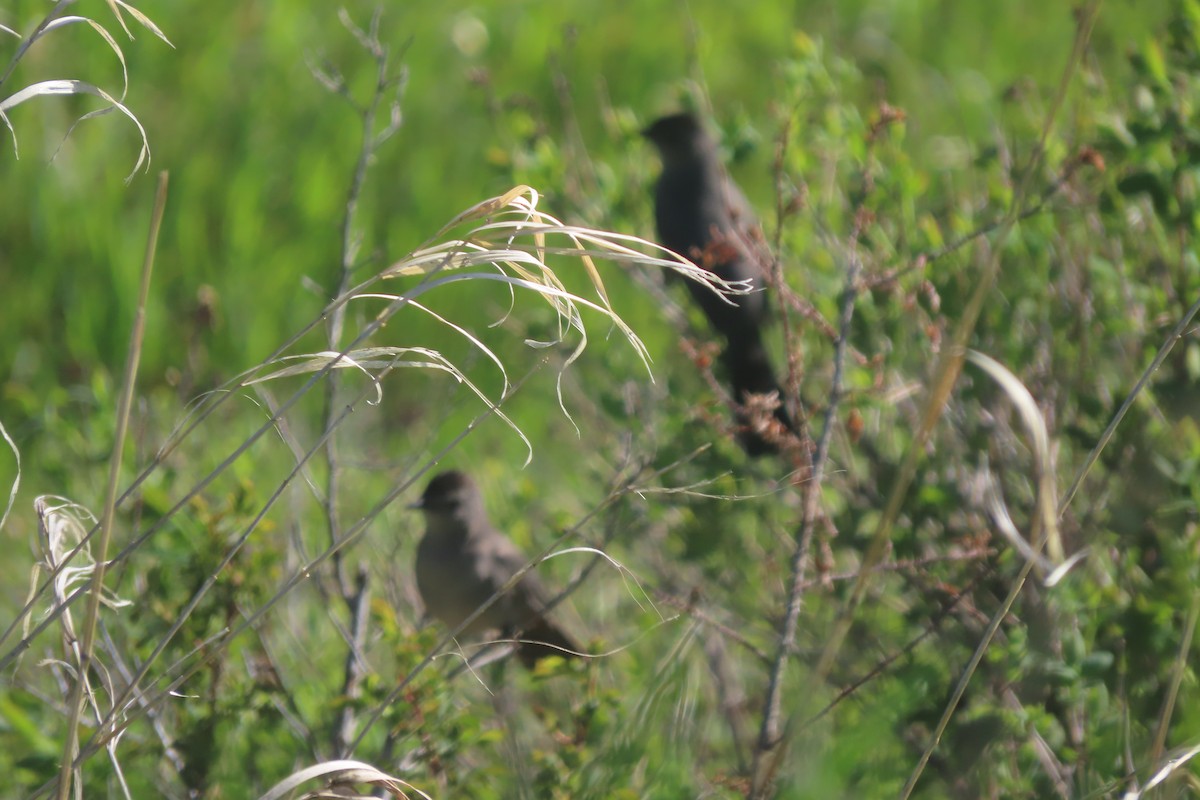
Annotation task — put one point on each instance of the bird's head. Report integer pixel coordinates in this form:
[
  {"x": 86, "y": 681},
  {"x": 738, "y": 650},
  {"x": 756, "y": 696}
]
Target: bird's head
[
  {"x": 678, "y": 136},
  {"x": 449, "y": 493}
]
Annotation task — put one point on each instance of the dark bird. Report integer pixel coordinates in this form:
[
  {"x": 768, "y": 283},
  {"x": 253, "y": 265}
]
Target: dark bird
[
  {"x": 462, "y": 561},
  {"x": 701, "y": 214}
]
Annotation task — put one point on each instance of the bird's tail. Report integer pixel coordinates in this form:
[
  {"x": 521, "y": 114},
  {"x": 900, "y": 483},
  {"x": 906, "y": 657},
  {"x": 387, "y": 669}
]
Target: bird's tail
[
  {"x": 752, "y": 377},
  {"x": 542, "y": 639}
]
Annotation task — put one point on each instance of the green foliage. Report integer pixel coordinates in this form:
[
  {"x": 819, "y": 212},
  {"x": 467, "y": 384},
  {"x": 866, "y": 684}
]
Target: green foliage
[{"x": 889, "y": 137}]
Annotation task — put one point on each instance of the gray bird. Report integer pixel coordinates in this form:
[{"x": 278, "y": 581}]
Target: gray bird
[
  {"x": 703, "y": 215},
  {"x": 463, "y": 560}
]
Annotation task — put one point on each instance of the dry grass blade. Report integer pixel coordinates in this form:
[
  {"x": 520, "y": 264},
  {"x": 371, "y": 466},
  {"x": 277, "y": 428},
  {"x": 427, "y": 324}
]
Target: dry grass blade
[
  {"x": 55, "y": 21},
  {"x": 340, "y": 775},
  {"x": 1003, "y": 522},
  {"x": 1045, "y": 527},
  {"x": 512, "y": 240},
  {"x": 1173, "y": 763},
  {"x": 104, "y": 34},
  {"x": 16, "y": 484},
  {"x": 384, "y": 360},
  {"x": 117, "y": 6},
  {"x": 66, "y": 87},
  {"x": 512, "y": 218},
  {"x": 62, "y": 526},
  {"x": 33, "y": 37},
  {"x": 62, "y": 531}
]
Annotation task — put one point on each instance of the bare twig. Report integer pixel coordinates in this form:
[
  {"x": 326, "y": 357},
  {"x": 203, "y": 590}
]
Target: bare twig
[
  {"x": 356, "y": 667},
  {"x": 769, "y": 749},
  {"x": 353, "y": 594}
]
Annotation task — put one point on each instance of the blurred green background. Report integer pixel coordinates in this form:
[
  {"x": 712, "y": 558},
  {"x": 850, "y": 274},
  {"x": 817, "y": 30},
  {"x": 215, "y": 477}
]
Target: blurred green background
[
  {"x": 261, "y": 158},
  {"x": 260, "y": 155}
]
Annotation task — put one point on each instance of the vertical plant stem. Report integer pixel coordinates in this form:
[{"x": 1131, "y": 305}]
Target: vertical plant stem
[
  {"x": 125, "y": 403},
  {"x": 770, "y": 749},
  {"x": 353, "y": 593}
]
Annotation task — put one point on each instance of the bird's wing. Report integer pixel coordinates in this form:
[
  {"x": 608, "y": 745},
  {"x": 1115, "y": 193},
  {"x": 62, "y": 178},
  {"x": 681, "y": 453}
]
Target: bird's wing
[{"x": 499, "y": 559}]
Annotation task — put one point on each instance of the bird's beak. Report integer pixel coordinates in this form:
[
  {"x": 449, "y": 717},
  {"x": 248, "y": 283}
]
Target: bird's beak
[{"x": 417, "y": 505}]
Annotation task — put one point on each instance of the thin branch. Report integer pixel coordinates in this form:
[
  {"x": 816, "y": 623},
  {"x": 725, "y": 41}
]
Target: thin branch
[
  {"x": 769, "y": 749},
  {"x": 356, "y": 668},
  {"x": 352, "y": 595}
]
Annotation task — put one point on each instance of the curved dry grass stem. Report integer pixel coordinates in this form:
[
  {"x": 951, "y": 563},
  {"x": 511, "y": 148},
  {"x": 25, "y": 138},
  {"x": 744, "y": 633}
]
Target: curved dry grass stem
[
  {"x": 53, "y": 21},
  {"x": 339, "y": 776},
  {"x": 16, "y": 484},
  {"x": 1174, "y": 762},
  {"x": 1045, "y": 518},
  {"x": 512, "y": 238}
]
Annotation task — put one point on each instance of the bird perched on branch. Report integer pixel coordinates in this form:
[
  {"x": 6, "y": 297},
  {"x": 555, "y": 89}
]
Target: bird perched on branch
[
  {"x": 701, "y": 214},
  {"x": 462, "y": 561}
]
